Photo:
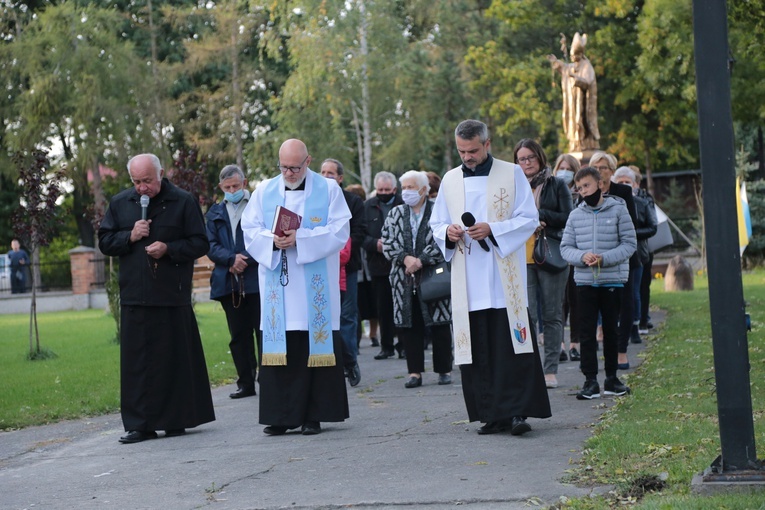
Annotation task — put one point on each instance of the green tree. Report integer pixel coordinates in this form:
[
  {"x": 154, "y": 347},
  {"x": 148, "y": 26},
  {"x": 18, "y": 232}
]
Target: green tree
[
  {"x": 82, "y": 88},
  {"x": 228, "y": 101}
]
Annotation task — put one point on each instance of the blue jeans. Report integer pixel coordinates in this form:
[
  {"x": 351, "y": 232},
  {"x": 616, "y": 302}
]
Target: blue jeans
[{"x": 349, "y": 319}]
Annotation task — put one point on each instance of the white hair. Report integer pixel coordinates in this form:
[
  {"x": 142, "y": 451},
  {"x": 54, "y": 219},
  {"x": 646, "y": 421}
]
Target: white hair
[
  {"x": 387, "y": 176},
  {"x": 154, "y": 161},
  {"x": 421, "y": 178},
  {"x": 624, "y": 171}
]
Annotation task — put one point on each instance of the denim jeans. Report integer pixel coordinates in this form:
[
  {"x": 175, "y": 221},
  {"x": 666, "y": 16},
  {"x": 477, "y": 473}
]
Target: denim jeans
[
  {"x": 549, "y": 288},
  {"x": 349, "y": 319}
]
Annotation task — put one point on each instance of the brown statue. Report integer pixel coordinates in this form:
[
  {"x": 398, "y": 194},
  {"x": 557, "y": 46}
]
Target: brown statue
[{"x": 580, "y": 97}]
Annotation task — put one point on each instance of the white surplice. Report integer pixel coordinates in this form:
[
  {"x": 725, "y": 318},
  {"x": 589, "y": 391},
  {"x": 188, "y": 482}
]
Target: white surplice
[
  {"x": 323, "y": 242},
  {"x": 484, "y": 286}
]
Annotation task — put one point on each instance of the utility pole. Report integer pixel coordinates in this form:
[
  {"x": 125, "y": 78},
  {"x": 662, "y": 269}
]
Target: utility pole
[{"x": 726, "y": 293}]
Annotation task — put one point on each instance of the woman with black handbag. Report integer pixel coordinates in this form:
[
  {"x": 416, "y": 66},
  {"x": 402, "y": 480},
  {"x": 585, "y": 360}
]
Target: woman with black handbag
[
  {"x": 546, "y": 272},
  {"x": 408, "y": 243}
]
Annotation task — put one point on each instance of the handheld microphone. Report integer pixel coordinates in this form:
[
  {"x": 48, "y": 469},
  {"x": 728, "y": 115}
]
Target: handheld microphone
[
  {"x": 144, "y": 206},
  {"x": 469, "y": 220}
]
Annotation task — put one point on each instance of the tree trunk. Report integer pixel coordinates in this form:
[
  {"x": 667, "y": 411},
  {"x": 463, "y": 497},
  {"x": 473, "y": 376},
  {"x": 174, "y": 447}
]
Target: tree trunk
[
  {"x": 156, "y": 121},
  {"x": 235, "y": 93},
  {"x": 760, "y": 154},
  {"x": 359, "y": 143},
  {"x": 366, "y": 169},
  {"x": 99, "y": 199}
]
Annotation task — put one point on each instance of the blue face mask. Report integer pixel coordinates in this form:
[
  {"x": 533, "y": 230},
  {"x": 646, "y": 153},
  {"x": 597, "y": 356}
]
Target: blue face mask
[
  {"x": 566, "y": 176},
  {"x": 235, "y": 197}
]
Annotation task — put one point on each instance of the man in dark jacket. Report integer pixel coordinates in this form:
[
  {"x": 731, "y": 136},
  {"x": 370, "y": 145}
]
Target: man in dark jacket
[
  {"x": 234, "y": 281},
  {"x": 349, "y": 314},
  {"x": 376, "y": 209},
  {"x": 164, "y": 383}
]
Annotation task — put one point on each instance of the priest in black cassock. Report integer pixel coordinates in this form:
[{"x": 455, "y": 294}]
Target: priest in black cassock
[
  {"x": 482, "y": 218},
  {"x": 164, "y": 383}
]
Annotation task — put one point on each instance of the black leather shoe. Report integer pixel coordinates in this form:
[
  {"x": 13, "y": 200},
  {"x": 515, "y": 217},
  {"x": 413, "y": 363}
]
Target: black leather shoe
[
  {"x": 492, "y": 427},
  {"x": 136, "y": 436},
  {"x": 518, "y": 426},
  {"x": 243, "y": 392},
  {"x": 444, "y": 379},
  {"x": 311, "y": 428},
  {"x": 175, "y": 432},
  {"x": 383, "y": 354},
  {"x": 275, "y": 430},
  {"x": 354, "y": 374},
  {"x": 413, "y": 382},
  {"x": 374, "y": 341}
]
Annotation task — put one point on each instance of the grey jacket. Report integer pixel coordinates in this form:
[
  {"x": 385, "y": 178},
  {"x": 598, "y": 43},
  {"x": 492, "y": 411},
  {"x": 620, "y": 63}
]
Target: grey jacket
[{"x": 609, "y": 233}]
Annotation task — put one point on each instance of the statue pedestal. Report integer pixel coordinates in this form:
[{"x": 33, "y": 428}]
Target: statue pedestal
[{"x": 584, "y": 156}]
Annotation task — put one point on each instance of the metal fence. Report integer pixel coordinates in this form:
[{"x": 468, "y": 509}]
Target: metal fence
[{"x": 50, "y": 276}]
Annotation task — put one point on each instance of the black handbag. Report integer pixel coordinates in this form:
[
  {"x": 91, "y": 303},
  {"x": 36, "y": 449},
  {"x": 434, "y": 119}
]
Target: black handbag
[
  {"x": 547, "y": 255},
  {"x": 435, "y": 282}
]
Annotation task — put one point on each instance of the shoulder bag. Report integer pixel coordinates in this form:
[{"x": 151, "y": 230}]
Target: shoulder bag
[{"x": 547, "y": 255}]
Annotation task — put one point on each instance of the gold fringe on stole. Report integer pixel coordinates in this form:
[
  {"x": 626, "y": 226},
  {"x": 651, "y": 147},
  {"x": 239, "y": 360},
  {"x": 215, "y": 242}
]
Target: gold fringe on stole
[
  {"x": 321, "y": 360},
  {"x": 274, "y": 359}
]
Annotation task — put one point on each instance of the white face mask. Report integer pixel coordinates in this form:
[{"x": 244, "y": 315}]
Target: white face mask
[
  {"x": 411, "y": 197},
  {"x": 566, "y": 176}
]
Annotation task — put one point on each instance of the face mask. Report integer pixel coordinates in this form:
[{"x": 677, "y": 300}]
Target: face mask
[
  {"x": 385, "y": 197},
  {"x": 411, "y": 197},
  {"x": 235, "y": 197},
  {"x": 565, "y": 175},
  {"x": 592, "y": 200}
]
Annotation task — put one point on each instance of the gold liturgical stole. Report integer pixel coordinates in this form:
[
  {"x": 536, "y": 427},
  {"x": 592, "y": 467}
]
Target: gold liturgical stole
[{"x": 500, "y": 193}]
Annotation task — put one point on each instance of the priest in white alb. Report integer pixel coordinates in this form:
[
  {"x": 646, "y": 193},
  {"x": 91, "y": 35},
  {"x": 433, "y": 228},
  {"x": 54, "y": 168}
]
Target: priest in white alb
[
  {"x": 483, "y": 216},
  {"x": 301, "y": 378}
]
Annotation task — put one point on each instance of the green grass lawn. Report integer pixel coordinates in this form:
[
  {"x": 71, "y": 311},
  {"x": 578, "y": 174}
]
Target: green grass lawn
[
  {"x": 84, "y": 378},
  {"x": 668, "y": 429}
]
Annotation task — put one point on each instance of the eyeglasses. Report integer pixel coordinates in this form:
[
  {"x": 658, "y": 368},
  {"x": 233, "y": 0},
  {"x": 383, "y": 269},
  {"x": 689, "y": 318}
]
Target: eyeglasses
[
  {"x": 602, "y": 168},
  {"x": 527, "y": 159},
  {"x": 292, "y": 169}
]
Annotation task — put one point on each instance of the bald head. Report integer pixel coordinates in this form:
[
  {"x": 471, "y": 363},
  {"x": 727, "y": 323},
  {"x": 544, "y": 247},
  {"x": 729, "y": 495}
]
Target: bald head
[{"x": 293, "y": 161}]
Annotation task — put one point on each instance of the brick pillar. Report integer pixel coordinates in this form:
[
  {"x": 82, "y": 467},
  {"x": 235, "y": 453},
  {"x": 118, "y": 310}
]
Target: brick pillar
[{"x": 83, "y": 269}]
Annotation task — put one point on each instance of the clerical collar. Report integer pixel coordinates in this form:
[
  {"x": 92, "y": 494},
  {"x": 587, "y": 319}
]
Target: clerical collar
[{"x": 481, "y": 170}]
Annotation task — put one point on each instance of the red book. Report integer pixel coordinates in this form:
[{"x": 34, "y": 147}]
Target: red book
[{"x": 284, "y": 219}]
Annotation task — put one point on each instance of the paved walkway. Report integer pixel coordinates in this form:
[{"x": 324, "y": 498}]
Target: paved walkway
[{"x": 401, "y": 447}]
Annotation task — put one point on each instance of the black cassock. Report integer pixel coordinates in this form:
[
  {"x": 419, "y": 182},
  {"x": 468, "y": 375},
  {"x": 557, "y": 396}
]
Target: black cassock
[
  {"x": 163, "y": 371},
  {"x": 500, "y": 384},
  {"x": 164, "y": 375},
  {"x": 294, "y": 394}
]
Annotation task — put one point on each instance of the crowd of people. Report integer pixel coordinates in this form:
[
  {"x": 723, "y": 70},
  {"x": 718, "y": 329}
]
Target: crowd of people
[{"x": 302, "y": 263}]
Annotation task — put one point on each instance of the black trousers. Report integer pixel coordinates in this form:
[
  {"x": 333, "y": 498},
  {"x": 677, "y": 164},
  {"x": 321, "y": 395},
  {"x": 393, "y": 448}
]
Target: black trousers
[
  {"x": 414, "y": 343},
  {"x": 384, "y": 303},
  {"x": 645, "y": 289},
  {"x": 243, "y": 324},
  {"x": 571, "y": 308},
  {"x": 626, "y": 313},
  {"x": 592, "y": 301}
]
